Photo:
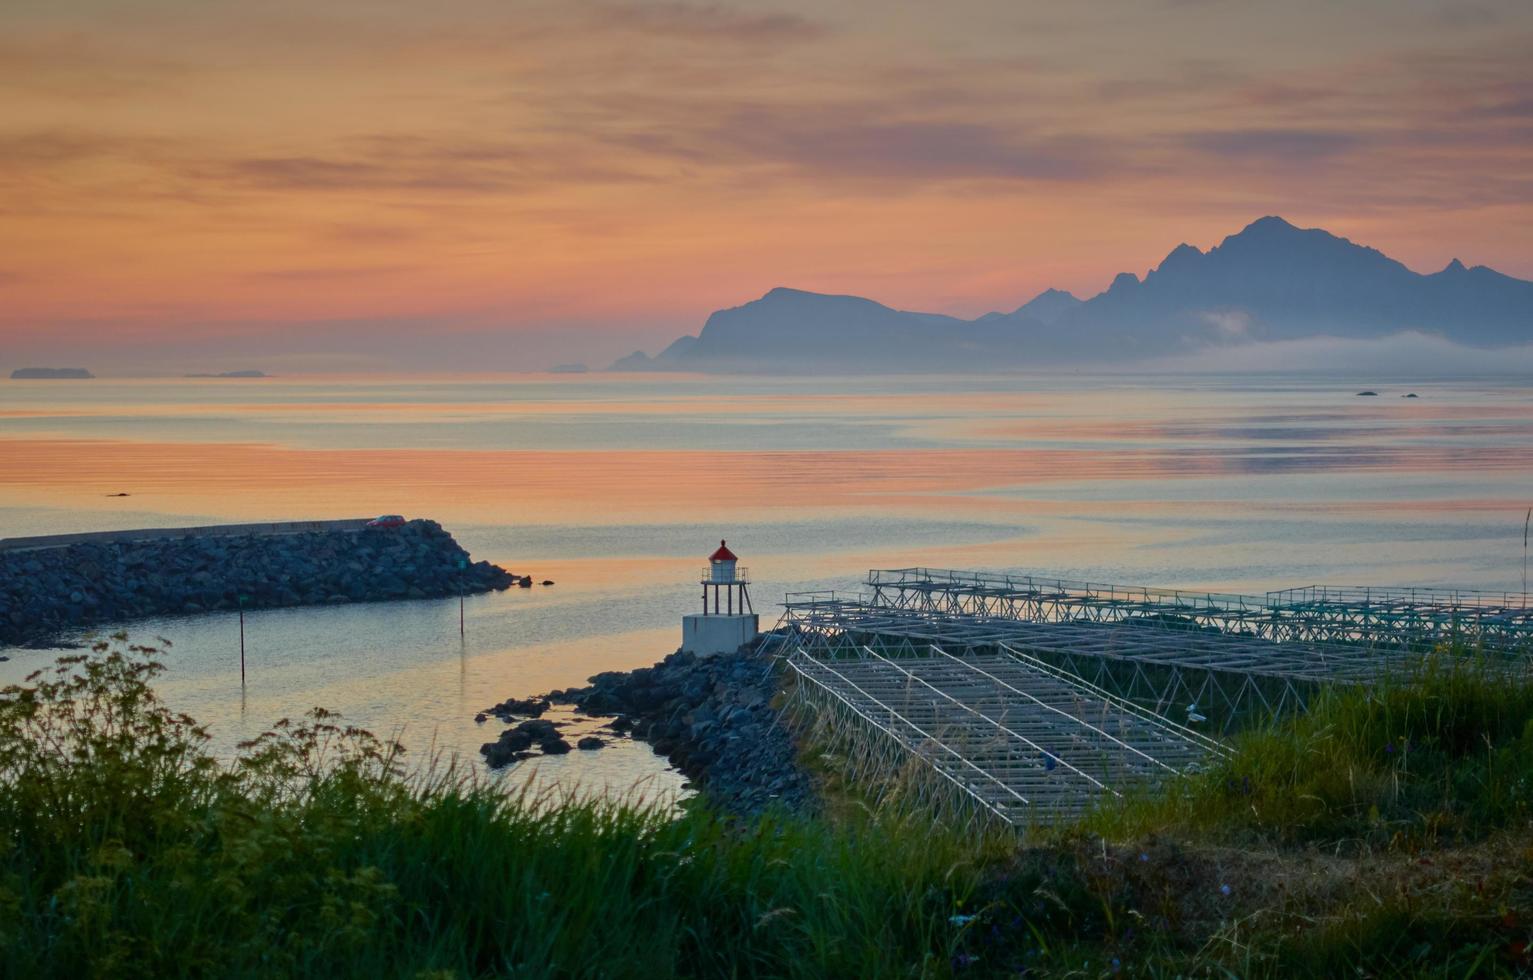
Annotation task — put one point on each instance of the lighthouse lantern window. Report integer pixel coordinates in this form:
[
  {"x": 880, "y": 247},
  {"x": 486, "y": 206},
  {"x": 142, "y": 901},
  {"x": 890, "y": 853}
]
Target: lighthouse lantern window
[{"x": 722, "y": 564}]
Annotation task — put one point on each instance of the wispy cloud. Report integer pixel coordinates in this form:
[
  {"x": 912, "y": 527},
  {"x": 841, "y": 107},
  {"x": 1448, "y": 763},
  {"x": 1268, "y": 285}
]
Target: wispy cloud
[
  {"x": 1281, "y": 146},
  {"x": 709, "y": 22},
  {"x": 316, "y": 273}
]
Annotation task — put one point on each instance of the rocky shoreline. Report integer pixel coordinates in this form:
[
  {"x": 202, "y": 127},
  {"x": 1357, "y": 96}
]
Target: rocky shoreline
[
  {"x": 712, "y": 717},
  {"x": 45, "y": 593}
]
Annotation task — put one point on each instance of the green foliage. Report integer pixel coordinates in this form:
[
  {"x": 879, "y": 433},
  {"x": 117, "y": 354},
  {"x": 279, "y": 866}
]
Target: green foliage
[
  {"x": 1440, "y": 757},
  {"x": 1386, "y": 833},
  {"x": 126, "y": 850}
]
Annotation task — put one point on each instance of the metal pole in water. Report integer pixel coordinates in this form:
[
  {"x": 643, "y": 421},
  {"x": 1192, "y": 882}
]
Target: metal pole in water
[
  {"x": 242, "y": 641},
  {"x": 462, "y": 564}
]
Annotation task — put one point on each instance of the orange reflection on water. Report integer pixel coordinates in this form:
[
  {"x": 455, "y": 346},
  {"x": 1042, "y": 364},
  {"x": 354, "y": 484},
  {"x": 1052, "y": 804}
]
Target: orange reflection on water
[{"x": 598, "y": 487}]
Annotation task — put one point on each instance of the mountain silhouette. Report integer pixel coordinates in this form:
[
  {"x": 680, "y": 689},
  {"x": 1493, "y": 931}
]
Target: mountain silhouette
[{"x": 1270, "y": 281}]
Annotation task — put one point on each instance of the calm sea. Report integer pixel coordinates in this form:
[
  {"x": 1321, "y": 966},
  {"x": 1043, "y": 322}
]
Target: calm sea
[{"x": 618, "y": 487}]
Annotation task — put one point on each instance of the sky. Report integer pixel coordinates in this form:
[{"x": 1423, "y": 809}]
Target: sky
[{"x": 348, "y": 185}]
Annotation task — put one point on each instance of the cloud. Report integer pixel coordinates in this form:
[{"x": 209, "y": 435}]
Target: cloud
[
  {"x": 845, "y": 141},
  {"x": 708, "y": 22},
  {"x": 1520, "y": 107},
  {"x": 1409, "y": 353},
  {"x": 936, "y": 137},
  {"x": 1274, "y": 145},
  {"x": 1229, "y": 325},
  {"x": 441, "y": 163},
  {"x": 75, "y": 65},
  {"x": 39, "y": 148},
  {"x": 330, "y": 273},
  {"x": 308, "y": 173}
]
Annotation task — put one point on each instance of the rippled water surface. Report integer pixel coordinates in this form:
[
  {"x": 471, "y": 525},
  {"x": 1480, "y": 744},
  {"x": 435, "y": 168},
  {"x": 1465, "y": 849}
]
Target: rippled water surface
[{"x": 617, "y": 487}]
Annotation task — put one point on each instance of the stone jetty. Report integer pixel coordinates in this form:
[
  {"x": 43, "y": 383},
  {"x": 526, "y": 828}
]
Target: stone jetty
[{"x": 48, "y": 592}]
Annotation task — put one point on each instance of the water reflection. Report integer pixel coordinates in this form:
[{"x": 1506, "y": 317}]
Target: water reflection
[{"x": 615, "y": 486}]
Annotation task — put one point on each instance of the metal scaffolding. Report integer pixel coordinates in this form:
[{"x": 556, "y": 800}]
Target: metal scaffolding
[
  {"x": 1493, "y": 620},
  {"x": 1410, "y": 618},
  {"x": 1027, "y": 743},
  {"x": 1227, "y": 679},
  {"x": 1036, "y": 697}
]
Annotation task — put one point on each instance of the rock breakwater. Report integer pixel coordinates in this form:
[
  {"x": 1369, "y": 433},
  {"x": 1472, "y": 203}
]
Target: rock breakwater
[
  {"x": 50, "y": 591},
  {"x": 713, "y": 718}
]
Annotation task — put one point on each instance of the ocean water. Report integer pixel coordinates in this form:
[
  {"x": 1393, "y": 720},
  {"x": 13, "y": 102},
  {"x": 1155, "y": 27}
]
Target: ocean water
[{"x": 618, "y": 487}]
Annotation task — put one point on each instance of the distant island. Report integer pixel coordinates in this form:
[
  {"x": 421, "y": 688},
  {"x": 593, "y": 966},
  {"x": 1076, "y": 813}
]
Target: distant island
[
  {"x": 568, "y": 369},
  {"x": 1271, "y": 281},
  {"x": 232, "y": 374},
  {"x": 50, "y": 374}
]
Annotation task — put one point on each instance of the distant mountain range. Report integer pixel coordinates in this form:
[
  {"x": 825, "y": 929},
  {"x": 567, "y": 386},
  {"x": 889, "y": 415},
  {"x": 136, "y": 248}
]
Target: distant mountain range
[
  {"x": 232, "y": 374},
  {"x": 50, "y": 374},
  {"x": 1272, "y": 281}
]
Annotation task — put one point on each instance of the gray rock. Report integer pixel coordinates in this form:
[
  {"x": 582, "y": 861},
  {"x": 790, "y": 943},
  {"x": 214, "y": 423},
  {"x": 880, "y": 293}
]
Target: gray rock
[{"x": 539, "y": 728}]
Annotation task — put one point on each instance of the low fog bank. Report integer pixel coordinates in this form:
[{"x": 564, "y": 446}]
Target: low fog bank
[
  {"x": 400, "y": 352},
  {"x": 1412, "y": 353}
]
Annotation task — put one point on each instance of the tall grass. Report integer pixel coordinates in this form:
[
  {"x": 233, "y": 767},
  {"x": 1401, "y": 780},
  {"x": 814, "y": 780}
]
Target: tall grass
[
  {"x": 1440, "y": 756},
  {"x": 126, "y": 850}
]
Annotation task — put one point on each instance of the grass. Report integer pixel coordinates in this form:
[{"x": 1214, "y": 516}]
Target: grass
[
  {"x": 1440, "y": 757},
  {"x": 125, "y": 850},
  {"x": 1386, "y": 833}
]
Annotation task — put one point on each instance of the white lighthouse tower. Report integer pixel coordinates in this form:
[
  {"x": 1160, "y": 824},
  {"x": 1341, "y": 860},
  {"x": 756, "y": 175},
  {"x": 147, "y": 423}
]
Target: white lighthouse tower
[{"x": 727, "y": 619}]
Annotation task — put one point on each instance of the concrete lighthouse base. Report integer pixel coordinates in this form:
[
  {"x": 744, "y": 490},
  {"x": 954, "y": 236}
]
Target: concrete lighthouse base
[{"x": 710, "y": 634}]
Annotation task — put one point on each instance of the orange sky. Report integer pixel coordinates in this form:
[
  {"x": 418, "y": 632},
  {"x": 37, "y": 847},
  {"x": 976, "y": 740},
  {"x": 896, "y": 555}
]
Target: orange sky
[{"x": 485, "y": 184}]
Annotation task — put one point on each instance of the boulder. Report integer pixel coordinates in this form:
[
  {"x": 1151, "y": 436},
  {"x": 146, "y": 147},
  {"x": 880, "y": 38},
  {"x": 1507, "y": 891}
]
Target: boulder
[
  {"x": 529, "y": 707},
  {"x": 516, "y": 741},
  {"x": 538, "y": 728}
]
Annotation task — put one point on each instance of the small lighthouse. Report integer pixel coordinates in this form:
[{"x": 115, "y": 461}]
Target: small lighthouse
[{"x": 727, "y": 620}]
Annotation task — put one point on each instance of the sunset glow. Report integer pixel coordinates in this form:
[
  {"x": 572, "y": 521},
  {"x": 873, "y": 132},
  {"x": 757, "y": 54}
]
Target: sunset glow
[{"x": 494, "y": 186}]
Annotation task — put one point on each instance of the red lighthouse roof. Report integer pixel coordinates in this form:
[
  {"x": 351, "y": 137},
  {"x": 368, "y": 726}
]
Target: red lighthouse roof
[{"x": 723, "y": 554}]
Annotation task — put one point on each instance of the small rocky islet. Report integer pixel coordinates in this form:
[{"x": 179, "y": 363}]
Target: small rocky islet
[
  {"x": 712, "y": 717},
  {"x": 46, "y": 592}
]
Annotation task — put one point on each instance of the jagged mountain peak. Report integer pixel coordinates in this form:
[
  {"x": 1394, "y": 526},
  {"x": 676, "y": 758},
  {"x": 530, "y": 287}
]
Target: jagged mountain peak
[
  {"x": 786, "y": 292},
  {"x": 1047, "y": 306},
  {"x": 789, "y": 295},
  {"x": 1269, "y": 224}
]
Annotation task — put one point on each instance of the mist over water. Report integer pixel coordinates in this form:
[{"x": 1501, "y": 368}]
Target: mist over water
[{"x": 617, "y": 487}]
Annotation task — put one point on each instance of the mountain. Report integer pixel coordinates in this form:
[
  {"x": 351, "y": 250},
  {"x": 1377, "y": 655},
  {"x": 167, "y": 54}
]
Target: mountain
[
  {"x": 791, "y": 328},
  {"x": 50, "y": 374},
  {"x": 1270, "y": 281},
  {"x": 1047, "y": 307},
  {"x": 233, "y": 374},
  {"x": 1275, "y": 281}
]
